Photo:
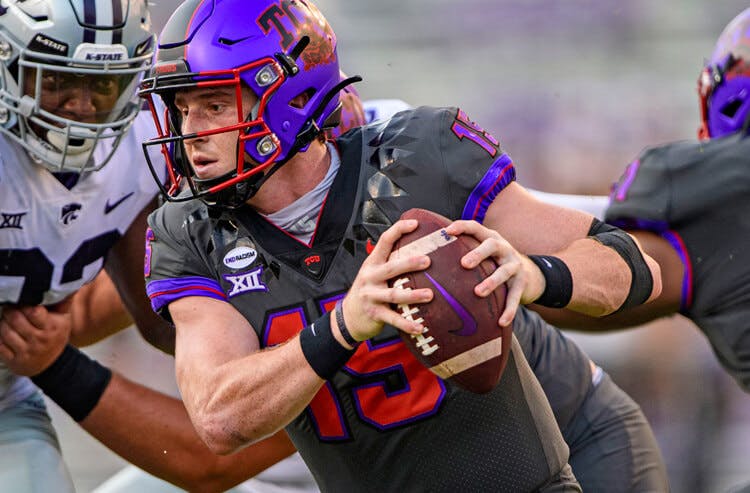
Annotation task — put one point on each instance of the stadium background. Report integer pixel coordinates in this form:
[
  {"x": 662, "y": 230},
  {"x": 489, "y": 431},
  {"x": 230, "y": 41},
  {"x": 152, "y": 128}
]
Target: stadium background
[{"x": 574, "y": 90}]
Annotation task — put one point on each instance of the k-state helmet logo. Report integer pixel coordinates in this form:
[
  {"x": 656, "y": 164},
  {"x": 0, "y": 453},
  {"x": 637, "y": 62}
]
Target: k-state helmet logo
[
  {"x": 246, "y": 281},
  {"x": 100, "y": 53},
  {"x": 240, "y": 257}
]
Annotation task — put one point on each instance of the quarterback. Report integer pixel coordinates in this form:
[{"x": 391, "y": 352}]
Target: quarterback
[{"x": 290, "y": 230}]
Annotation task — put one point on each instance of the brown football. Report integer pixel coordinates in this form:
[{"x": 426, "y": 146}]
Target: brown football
[{"x": 463, "y": 342}]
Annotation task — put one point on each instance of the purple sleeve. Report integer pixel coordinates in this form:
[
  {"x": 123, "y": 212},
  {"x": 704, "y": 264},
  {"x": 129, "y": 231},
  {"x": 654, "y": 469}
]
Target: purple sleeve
[{"x": 162, "y": 292}]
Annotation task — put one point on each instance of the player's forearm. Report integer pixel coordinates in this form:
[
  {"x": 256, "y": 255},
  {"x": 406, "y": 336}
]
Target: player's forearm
[
  {"x": 603, "y": 280},
  {"x": 153, "y": 431},
  {"x": 673, "y": 278},
  {"x": 243, "y": 400}
]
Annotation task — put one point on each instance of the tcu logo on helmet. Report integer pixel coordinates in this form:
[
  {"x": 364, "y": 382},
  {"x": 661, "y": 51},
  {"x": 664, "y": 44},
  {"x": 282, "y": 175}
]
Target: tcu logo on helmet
[{"x": 314, "y": 25}]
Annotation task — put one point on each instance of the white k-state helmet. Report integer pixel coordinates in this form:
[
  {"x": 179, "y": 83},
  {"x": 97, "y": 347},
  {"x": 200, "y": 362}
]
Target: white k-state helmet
[{"x": 69, "y": 74}]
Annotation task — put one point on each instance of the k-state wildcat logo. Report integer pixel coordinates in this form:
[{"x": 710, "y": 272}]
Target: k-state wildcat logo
[
  {"x": 240, "y": 257},
  {"x": 69, "y": 213}
]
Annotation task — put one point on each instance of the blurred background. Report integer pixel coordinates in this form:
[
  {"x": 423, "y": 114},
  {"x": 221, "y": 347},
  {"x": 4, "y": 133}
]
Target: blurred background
[{"x": 573, "y": 90}]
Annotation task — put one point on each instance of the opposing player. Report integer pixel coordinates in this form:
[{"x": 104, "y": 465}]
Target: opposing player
[
  {"x": 74, "y": 198},
  {"x": 279, "y": 238},
  {"x": 686, "y": 202}
]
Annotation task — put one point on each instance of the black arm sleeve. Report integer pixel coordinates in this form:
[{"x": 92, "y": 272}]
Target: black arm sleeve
[{"x": 642, "y": 283}]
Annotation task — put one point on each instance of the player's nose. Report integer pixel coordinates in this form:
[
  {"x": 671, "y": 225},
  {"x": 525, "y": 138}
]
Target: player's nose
[{"x": 79, "y": 104}]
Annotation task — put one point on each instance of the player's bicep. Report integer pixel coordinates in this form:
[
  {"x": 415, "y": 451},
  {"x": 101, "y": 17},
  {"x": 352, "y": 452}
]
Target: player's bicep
[
  {"x": 533, "y": 226},
  {"x": 210, "y": 333}
]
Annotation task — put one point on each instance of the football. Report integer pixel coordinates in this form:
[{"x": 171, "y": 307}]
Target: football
[{"x": 463, "y": 342}]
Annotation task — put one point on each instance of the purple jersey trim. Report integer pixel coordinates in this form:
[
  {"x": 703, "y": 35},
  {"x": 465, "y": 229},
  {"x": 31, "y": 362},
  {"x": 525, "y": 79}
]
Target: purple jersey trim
[
  {"x": 675, "y": 240},
  {"x": 652, "y": 225},
  {"x": 500, "y": 174},
  {"x": 165, "y": 291},
  {"x": 620, "y": 191}
]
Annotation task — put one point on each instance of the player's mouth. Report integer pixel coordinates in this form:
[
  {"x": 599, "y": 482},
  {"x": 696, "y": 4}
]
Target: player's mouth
[{"x": 205, "y": 167}]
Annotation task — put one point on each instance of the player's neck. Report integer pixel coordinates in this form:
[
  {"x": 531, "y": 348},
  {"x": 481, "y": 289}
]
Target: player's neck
[{"x": 293, "y": 180}]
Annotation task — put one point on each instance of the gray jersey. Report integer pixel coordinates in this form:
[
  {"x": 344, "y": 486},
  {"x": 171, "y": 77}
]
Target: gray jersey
[
  {"x": 697, "y": 195},
  {"x": 384, "y": 422}
]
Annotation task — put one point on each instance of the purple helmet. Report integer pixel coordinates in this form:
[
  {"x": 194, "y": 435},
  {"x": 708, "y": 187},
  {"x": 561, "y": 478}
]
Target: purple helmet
[
  {"x": 278, "y": 49},
  {"x": 724, "y": 84}
]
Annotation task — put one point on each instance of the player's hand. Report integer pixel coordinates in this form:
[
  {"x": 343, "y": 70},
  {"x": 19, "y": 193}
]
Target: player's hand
[
  {"x": 368, "y": 304},
  {"x": 523, "y": 279},
  {"x": 32, "y": 337}
]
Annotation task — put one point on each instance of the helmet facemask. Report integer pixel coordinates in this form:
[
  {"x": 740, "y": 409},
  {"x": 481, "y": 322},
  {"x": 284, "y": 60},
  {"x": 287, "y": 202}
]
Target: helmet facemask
[
  {"x": 234, "y": 187},
  {"x": 724, "y": 93},
  {"x": 285, "y": 54},
  {"x": 724, "y": 83},
  {"x": 59, "y": 97}
]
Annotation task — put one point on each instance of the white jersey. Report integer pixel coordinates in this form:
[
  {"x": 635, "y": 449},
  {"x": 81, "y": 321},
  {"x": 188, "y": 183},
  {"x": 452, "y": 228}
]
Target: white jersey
[{"x": 54, "y": 240}]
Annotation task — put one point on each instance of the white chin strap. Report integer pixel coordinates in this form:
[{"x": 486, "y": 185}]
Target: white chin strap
[{"x": 72, "y": 146}]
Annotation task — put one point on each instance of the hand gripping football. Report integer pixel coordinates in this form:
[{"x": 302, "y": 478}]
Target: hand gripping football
[{"x": 463, "y": 342}]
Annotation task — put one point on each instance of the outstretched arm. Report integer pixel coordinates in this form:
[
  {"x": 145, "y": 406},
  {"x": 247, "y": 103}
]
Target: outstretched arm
[
  {"x": 601, "y": 276},
  {"x": 145, "y": 427},
  {"x": 154, "y": 432},
  {"x": 97, "y": 311},
  {"x": 667, "y": 303}
]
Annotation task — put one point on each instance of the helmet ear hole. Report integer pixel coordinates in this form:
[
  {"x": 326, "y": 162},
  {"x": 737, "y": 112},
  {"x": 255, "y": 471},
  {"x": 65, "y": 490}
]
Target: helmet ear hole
[
  {"x": 302, "y": 99},
  {"x": 730, "y": 109}
]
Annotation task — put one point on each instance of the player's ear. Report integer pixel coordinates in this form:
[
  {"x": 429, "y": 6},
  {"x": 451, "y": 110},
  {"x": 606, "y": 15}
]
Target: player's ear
[{"x": 300, "y": 100}]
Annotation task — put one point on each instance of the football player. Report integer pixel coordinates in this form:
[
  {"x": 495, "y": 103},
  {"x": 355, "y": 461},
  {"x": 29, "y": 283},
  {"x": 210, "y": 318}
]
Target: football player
[
  {"x": 74, "y": 198},
  {"x": 686, "y": 203},
  {"x": 588, "y": 406},
  {"x": 287, "y": 226}
]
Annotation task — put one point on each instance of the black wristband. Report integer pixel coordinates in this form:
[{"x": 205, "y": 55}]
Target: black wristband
[
  {"x": 322, "y": 351},
  {"x": 342, "y": 325},
  {"x": 558, "y": 287},
  {"x": 75, "y": 382}
]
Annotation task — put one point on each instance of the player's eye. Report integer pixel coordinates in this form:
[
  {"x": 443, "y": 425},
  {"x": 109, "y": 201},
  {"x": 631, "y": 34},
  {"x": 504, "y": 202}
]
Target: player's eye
[{"x": 104, "y": 85}]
